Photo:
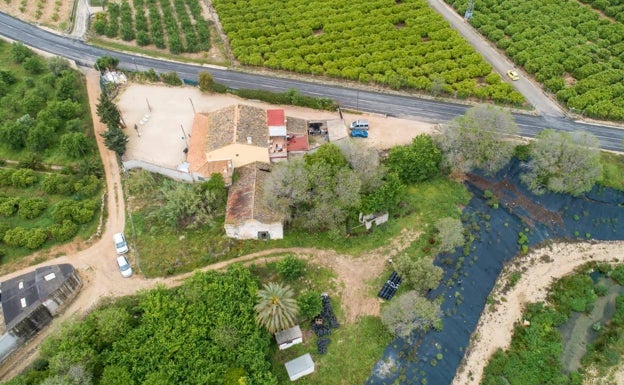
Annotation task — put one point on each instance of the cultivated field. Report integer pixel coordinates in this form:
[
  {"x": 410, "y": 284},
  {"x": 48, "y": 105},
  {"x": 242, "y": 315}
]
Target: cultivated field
[
  {"x": 574, "y": 50},
  {"x": 395, "y": 43},
  {"x": 55, "y": 14}
]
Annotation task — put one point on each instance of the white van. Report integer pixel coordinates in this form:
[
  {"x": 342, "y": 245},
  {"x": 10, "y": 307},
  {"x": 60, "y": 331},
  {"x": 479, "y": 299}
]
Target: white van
[
  {"x": 121, "y": 246},
  {"x": 361, "y": 124}
]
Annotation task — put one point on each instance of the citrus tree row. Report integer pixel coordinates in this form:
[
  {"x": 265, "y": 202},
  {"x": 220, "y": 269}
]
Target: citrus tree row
[
  {"x": 572, "y": 50},
  {"x": 166, "y": 24},
  {"x": 611, "y": 8},
  {"x": 400, "y": 44}
]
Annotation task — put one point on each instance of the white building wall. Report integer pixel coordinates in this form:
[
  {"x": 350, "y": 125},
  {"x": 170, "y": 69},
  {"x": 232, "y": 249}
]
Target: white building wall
[{"x": 250, "y": 229}]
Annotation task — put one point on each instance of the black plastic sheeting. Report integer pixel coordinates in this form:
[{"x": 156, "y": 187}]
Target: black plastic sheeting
[{"x": 469, "y": 279}]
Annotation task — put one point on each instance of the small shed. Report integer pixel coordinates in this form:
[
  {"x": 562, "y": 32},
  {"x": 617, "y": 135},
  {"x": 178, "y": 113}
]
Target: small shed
[
  {"x": 300, "y": 366},
  {"x": 289, "y": 337}
]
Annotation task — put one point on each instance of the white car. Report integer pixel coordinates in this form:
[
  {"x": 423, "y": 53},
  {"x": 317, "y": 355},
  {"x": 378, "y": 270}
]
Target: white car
[
  {"x": 124, "y": 266},
  {"x": 121, "y": 246}
]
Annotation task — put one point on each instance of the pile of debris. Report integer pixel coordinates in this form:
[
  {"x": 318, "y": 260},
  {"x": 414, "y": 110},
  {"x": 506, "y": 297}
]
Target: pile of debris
[{"x": 323, "y": 323}]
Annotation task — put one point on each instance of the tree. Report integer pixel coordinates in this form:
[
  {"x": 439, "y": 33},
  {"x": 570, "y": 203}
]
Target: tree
[
  {"x": 19, "y": 52},
  {"x": 57, "y": 65},
  {"x": 115, "y": 140},
  {"x": 387, "y": 197},
  {"x": 276, "y": 308},
  {"x": 450, "y": 234},
  {"x": 408, "y": 313},
  {"x": 291, "y": 267},
  {"x": 365, "y": 162},
  {"x": 481, "y": 139},
  {"x": 107, "y": 111},
  {"x": 75, "y": 145},
  {"x": 563, "y": 162},
  {"x": 205, "y": 81},
  {"x": 416, "y": 162},
  {"x": 106, "y": 63},
  {"x": 420, "y": 274}
]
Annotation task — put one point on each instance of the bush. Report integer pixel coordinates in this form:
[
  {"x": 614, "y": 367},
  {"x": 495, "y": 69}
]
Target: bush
[
  {"x": 9, "y": 206},
  {"x": 291, "y": 268},
  {"x": 171, "y": 78},
  {"x": 23, "y": 178},
  {"x": 31, "y": 208},
  {"x": 78, "y": 212},
  {"x": 87, "y": 186},
  {"x": 64, "y": 231},
  {"x": 15, "y": 237},
  {"x": 35, "y": 238},
  {"x": 310, "y": 304}
]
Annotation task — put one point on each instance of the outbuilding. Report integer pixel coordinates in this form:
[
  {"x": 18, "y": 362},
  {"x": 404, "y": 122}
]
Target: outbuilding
[
  {"x": 300, "y": 366},
  {"x": 289, "y": 337}
]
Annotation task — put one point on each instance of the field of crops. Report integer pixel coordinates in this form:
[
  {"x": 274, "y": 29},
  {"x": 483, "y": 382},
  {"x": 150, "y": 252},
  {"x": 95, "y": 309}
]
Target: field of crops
[
  {"x": 572, "y": 49},
  {"x": 177, "y": 24},
  {"x": 396, "y": 43}
]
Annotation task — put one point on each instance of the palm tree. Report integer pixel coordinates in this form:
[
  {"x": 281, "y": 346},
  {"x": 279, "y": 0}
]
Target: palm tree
[{"x": 276, "y": 308}]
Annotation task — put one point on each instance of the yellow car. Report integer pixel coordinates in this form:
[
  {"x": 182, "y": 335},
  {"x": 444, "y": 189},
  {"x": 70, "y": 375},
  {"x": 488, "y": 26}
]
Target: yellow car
[{"x": 513, "y": 75}]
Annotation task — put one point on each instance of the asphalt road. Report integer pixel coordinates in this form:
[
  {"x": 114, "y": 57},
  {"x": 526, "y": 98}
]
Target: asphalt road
[{"x": 435, "y": 111}]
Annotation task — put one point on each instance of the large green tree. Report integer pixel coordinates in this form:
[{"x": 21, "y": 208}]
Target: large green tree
[
  {"x": 418, "y": 273},
  {"x": 483, "y": 138},
  {"x": 417, "y": 161},
  {"x": 276, "y": 307},
  {"x": 317, "y": 192},
  {"x": 107, "y": 111},
  {"x": 563, "y": 162},
  {"x": 115, "y": 140},
  {"x": 409, "y": 312}
]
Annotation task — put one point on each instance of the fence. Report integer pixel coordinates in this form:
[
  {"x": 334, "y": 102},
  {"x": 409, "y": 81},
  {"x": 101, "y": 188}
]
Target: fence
[{"x": 170, "y": 173}]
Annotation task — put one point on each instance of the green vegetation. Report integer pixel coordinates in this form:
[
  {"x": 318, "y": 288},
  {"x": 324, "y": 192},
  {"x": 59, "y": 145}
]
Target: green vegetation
[
  {"x": 563, "y": 162},
  {"x": 399, "y": 44},
  {"x": 534, "y": 354},
  {"x": 483, "y": 138},
  {"x": 180, "y": 27},
  {"x": 276, "y": 308},
  {"x": 408, "y": 313},
  {"x": 50, "y": 178},
  {"x": 612, "y": 170},
  {"x": 569, "y": 48},
  {"x": 202, "y": 332}
]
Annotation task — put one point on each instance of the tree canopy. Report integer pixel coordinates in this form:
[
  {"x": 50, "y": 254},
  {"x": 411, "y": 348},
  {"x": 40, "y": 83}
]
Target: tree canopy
[
  {"x": 563, "y": 162},
  {"x": 417, "y": 161},
  {"x": 276, "y": 307},
  {"x": 408, "y": 313},
  {"x": 480, "y": 139}
]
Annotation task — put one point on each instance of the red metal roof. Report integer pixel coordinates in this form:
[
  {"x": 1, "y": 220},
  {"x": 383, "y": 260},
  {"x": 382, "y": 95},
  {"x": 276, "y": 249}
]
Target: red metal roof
[{"x": 276, "y": 118}]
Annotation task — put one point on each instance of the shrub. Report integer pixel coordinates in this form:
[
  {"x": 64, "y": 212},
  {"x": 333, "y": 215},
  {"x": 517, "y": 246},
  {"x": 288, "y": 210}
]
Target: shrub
[
  {"x": 31, "y": 208},
  {"x": 78, "y": 212},
  {"x": 310, "y": 304},
  {"x": 87, "y": 186},
  {"x": 291, "y": 268},
  {"x": 23, "y": 178},
  {"x": 15, "y": 237},
  {"x": 64, "y": 231},
  {"x": 171, "y": 78},
  {"x": 9, "y": 206},
  {"x": 35, "y": 238}
]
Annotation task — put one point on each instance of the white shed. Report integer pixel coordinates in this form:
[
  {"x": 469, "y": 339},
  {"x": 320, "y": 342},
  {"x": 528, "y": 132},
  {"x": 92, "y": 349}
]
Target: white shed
[
  {"x": 289, "y": 337},
  {"x": 300, "y": 366}
]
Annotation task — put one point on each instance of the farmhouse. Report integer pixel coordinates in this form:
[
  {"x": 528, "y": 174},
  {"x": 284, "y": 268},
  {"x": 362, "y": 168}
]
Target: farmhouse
[{"x": 247, "y": 215}]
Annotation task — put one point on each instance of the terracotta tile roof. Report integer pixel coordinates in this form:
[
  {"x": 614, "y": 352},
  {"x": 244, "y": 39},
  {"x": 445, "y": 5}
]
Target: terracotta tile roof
[
  {"x": 221, "y": 128},
  {"x": 275, "y": 118},
  {"x": 251, "y": 124},
  {"x": 298, "y": 142},
  {"x": 245, "y": 196},
  {"x": 196, "y": 155},
  {"x": 223, "y": 167}
]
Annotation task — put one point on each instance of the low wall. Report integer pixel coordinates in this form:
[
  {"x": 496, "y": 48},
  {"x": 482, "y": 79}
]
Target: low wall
[{"x": 169, "y": 173}]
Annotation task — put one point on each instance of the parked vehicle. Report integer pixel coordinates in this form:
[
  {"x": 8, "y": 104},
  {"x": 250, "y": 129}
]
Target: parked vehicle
[
  {"x": 124, "y": 266},
  {"x": 361, "y": 124},
  {"x": 316, "y": 128},
  {"x": 359, "y": 133},
  {"x": 121, "y": 246}
]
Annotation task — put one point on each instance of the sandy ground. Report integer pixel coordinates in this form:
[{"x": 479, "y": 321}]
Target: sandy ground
[
  {"x": 167, "y": 116},
  {"x": 543, "y": 266}
]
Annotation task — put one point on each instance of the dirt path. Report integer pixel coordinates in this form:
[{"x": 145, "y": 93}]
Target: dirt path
[{"x": 542, "y": 266}]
